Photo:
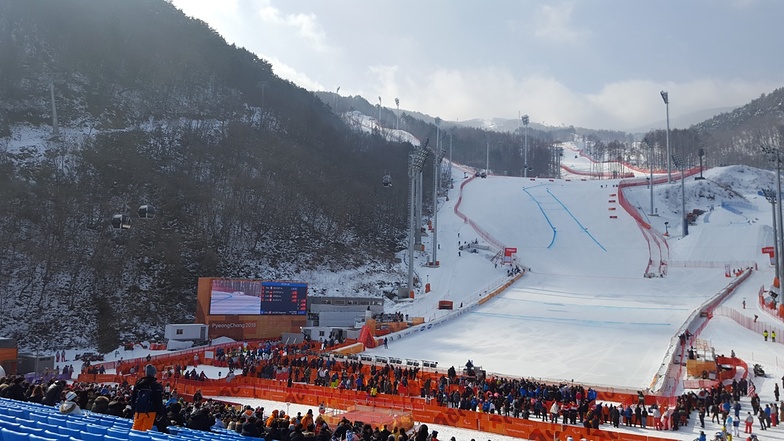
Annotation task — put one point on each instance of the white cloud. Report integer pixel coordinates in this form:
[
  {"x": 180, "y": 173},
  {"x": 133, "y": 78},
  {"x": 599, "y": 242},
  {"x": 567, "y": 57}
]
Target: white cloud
[
  {"x": 305, "y": 25},
  {"x": 287, "y": 72},
  {"x": 544, "y": 86},
  {"x": 633, "y": 103},
  {"x": 553, "y": 23},
  {"x": 385, "y": 76},
  {"x": 490, "y": 92}
]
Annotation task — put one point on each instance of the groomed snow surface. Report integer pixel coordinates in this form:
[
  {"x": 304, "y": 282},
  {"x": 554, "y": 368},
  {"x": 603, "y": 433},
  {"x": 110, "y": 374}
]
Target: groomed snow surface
[{"x": 584, "y": 311}]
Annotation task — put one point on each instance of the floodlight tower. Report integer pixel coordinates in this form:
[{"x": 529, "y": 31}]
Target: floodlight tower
[
  {"x": 772, "y": 197},
  {"x": 450, "y": 156},
  {"x": 678, "y": 160},
  {"x": 701, "y": 153},
  {"x": 397, "y": 120},
  {"x": 487, "y": 157},
  {"x": 774, "y": 155},
  {"x": 419, "y": 187},
  {"x": 415, "y": 163},
  {"x": 666, "y": 97},
  {"x": 379, "y": 114},
  {"x": 525, "y": 154},
  {"x": 436, "y": 165},
  {"x": 650, "y": 183}
]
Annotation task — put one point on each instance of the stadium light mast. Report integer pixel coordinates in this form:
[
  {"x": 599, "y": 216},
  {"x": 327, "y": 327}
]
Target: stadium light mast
[
  {"x": 771, "y": 197},
  {"x": 436, "y": 165},
  {"x": 419, "y": 188},
  {"x": 678, "y": 160},
  {"x": 379, "y": 114},
  {"x": 650, "y": 184},
  {"x": 774, "y": 154},
  {"x": 397, "y": 120},
  {"x": 666, "y": 97},
  {"x": 450, "y": 156},
  {"x": 487, "y": 157},
  {"x": 415, "y": 163},
  {"x": 525, "y": 154}
]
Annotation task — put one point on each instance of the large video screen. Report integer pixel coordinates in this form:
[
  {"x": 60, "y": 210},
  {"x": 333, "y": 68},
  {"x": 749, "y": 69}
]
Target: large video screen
[
  {"x": 233, "y": 296},
  {"x": 284, "y": 298},
  {"x": 249, "y": 297}
]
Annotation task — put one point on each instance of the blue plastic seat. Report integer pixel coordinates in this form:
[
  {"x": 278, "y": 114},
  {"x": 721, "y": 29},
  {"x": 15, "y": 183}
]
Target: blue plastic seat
[
  {"x": 30, "y": 429},
  {"x": 17, "y": 412},
  {"x": 37, "y": 415},
  {"x": 122, "y": 431},
  {"x": 90, "y": 436},
  {"x": 42, "y": 424},
  {"x": 118, "y": 432},
  {"x": 135, "y": 435},
  {"x": 105, "y": 422},
  {"x": 10, "y": 435},
  {"x": 25, "y": 422},
  {"x": 97, "y": 428},
  {"x": 55, "y": 435},
  {"x": 34, "y": 437},
  {"x": 10, "y": 425},
  {"x": 114, "y": 438},
  {"x": 74, "y": 424},
  {"x": 70, "y": 432},
  {"x": 56, "y": 420}
]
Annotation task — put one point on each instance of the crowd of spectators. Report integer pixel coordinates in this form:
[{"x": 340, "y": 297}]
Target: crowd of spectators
[
  {"x": 472, "y": 390},
  {"x": 197, "y": 413}
]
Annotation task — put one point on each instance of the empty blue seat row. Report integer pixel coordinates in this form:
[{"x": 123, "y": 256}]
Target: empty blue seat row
[{"x": 36, "y": 422}]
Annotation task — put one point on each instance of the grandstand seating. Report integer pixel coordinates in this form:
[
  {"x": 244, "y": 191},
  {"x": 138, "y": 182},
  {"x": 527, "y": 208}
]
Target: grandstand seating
[{"x": 21, "y": 421}]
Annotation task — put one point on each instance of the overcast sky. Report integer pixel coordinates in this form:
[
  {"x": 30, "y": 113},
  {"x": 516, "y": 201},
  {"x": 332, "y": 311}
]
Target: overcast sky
[{"x": 597, "y": 64}]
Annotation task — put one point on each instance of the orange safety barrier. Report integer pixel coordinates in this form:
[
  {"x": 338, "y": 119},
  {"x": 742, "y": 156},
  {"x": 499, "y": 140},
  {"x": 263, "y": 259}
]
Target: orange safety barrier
[{"x": 309, "y": 395}]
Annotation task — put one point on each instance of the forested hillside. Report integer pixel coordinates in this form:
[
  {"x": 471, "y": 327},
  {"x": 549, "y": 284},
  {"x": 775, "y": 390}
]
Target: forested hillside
[{"x": 252, "y": 176}]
